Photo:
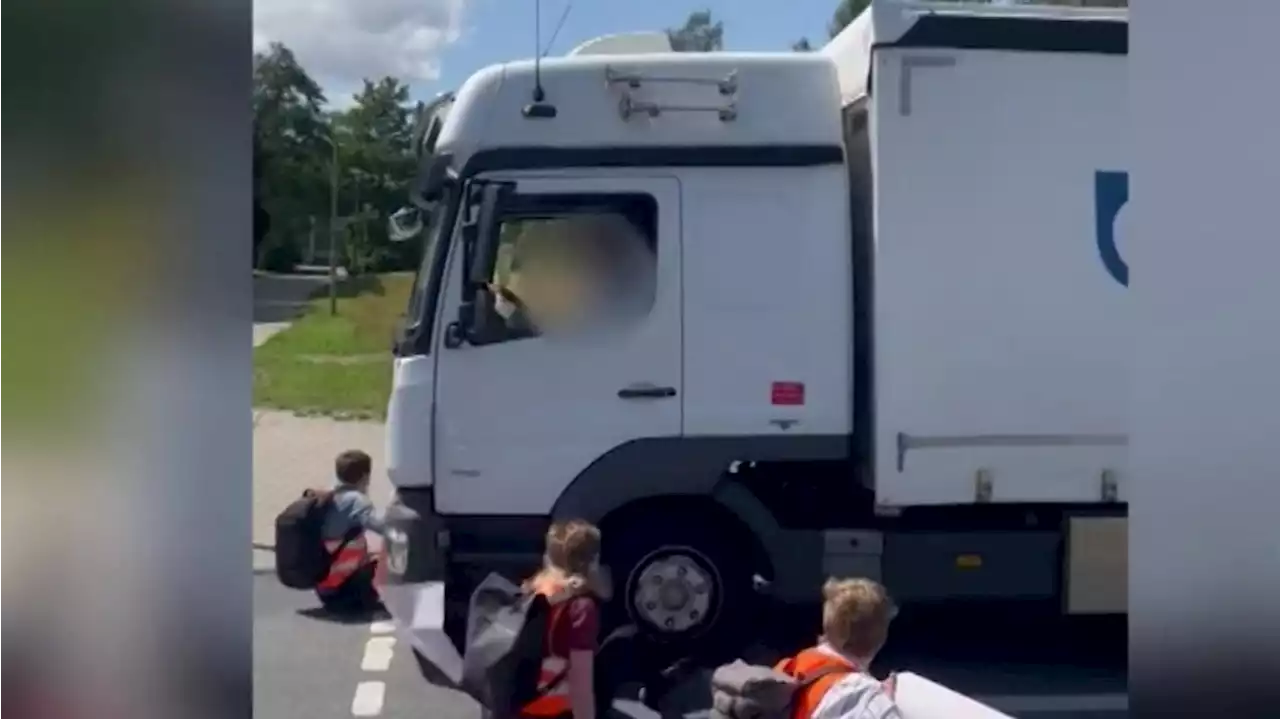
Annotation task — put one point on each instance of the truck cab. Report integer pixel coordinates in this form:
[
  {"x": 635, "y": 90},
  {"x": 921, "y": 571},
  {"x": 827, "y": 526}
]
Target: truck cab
[{"x": 759, "y": 317}]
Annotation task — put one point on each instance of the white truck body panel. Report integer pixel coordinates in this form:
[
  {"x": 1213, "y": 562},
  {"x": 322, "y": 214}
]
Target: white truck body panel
[
  {"x": 767, "y": 279},
  {"x": 888, "y": 20},
  {"x": 1000, "y": 336}
]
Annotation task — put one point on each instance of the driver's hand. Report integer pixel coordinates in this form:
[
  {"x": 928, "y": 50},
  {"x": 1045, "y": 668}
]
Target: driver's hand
[{"x": 501, "y": 304}]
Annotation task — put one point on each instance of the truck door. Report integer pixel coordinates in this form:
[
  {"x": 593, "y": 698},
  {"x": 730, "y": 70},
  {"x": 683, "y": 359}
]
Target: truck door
[{"x": 561, "y": 335}]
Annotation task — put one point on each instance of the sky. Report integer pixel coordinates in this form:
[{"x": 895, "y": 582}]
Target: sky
[{"x": 434, "y": 45}]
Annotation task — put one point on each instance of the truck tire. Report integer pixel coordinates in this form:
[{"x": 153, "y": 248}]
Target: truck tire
[{"x": 683, "y": 581}]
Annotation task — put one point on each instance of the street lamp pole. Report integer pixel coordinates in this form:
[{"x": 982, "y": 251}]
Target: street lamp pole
[{"x": 333, "y": 229}]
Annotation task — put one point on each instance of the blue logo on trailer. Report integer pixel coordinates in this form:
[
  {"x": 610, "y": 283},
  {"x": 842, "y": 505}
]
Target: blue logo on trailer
[{"x": 1110, "y": 193}]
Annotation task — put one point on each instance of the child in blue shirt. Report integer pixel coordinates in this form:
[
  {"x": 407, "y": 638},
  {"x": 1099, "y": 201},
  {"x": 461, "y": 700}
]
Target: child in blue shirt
[{"x": 349, "y": 586}]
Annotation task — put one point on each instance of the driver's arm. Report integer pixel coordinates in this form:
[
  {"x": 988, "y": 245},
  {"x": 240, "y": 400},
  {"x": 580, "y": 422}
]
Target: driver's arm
[
  {"x": 508, "y": 306},
  {"x": 504, "y": 307}
]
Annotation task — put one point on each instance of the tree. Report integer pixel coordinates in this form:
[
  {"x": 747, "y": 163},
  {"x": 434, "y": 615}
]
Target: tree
[
  {"x": 289, "y": 135},
  {"x": 802, "y": 45},
  {"x": 378, "y": 162},
  {"x": 699, "y": 34},
  {"x": 845, "y": 13},
  {"x": 261, "y": 220}
]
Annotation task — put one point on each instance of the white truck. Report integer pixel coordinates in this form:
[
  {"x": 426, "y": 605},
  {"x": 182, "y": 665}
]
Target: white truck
[{"x": 875, "y": 320}]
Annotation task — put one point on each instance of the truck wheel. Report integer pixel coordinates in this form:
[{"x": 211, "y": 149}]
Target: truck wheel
[{"x": 682, "y": 584}]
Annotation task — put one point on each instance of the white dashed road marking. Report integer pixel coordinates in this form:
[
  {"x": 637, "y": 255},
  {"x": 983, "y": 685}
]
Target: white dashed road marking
[
  {"x": 378, "y": 653},
  {"x": 368, "y": 699}
]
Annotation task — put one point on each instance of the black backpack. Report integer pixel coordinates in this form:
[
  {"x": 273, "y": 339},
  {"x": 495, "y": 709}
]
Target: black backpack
[
  {"x": 506, "y": 642},
  {"x": 302, "y": 561}
]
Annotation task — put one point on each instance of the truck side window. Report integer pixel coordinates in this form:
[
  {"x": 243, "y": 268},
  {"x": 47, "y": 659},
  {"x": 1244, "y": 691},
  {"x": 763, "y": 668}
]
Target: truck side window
[{"x": 573, "y": 264}]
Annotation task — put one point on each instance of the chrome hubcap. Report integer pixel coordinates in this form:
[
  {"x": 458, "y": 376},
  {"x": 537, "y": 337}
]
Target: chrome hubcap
[{"x": 673, "y": 594}]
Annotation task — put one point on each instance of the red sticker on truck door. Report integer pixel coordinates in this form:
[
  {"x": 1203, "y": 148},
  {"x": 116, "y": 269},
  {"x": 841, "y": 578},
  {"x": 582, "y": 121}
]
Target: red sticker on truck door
[{"x": 787, "y": 394}]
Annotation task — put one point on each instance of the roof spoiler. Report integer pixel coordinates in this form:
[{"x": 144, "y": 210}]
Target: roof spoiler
[{"x": 636, "y": 43}]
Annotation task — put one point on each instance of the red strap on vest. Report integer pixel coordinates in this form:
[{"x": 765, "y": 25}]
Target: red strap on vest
[{"x": 817, "y": 671}]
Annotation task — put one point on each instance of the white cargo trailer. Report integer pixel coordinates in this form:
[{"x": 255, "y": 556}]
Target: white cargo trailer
[{"x": 859, "y": 311}]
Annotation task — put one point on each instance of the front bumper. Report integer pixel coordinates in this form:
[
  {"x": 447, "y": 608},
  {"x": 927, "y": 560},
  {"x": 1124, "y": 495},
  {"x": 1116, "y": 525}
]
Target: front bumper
[
  {"x": 431, "y": 562},
  {"x": 411, "y": 583}
]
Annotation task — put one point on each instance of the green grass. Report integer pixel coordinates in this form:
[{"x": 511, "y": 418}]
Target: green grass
[{"x": 335, "y": 365}]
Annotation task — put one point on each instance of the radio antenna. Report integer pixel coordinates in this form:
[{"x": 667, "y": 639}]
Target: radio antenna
[
  {"x": 539, "y": 108},
  {"x": 564, "y": 15},
  {"x": 538, "y": 94}
]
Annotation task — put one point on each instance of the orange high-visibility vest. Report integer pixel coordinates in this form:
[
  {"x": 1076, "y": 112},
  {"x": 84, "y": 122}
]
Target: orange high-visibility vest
[
  {"x": 805, "y": 664},
  {"x": 348, "y": 560},
  {"x": 552, "y": 679}
]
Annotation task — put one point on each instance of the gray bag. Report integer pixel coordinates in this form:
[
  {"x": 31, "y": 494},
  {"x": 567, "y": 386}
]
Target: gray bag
[
  {"x": 748, "y": 691},
  {"x": 506, "y": 633}
]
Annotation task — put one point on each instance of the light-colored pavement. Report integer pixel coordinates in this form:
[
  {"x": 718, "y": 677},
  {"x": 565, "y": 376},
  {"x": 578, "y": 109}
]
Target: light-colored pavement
[
  {"x": 292, "y": 454},
  {"x": 263, "y": 331}
]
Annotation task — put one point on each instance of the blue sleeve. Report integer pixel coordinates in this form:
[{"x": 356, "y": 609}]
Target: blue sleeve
[{"x": 365, "y": 515}]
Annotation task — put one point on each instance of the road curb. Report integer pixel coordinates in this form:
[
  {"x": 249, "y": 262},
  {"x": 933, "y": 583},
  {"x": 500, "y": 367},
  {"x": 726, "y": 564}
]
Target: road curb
[{"x": 262, "y": 547}]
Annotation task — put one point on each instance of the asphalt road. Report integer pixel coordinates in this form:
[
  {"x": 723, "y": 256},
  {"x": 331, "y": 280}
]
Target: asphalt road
[
  {"x": 309, "y": 667},
  {"x": 306, "y": 666},
  {"x": 281, "y": 298}
]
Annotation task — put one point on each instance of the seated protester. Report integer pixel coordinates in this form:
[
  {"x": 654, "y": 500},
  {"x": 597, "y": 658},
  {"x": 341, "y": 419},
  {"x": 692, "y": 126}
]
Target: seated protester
[
  {"x": 571, "y": 581},
  {"x": 855, "y": 624},
  {"x": 348, "y": 588}
]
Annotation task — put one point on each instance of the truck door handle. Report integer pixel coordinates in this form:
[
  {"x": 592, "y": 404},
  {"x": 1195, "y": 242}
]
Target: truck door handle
[{"x": 646, "y": 391}]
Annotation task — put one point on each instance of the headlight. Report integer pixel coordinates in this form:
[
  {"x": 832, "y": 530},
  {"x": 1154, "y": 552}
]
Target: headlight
[{"x": 397, "y": 551}]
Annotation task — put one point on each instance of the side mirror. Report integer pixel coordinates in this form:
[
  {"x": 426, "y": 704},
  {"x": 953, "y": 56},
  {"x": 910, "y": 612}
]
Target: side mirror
[
  {"x": 406, "y": 223},
  {"x": 434, "y": 174}
]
